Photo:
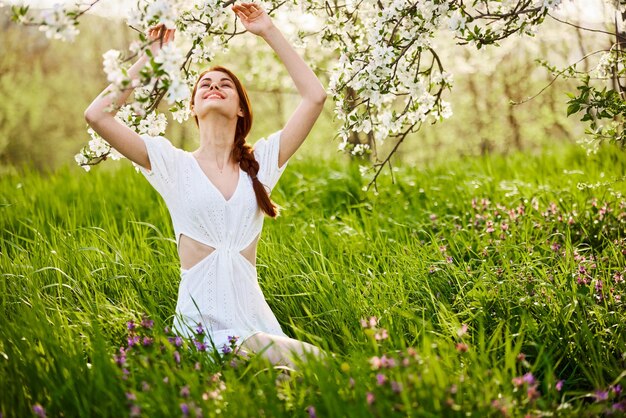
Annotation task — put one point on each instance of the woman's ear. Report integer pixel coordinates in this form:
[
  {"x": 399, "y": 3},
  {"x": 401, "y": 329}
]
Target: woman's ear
[{"x": 240, "y": 113}]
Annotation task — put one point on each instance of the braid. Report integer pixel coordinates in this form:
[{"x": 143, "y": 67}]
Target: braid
[{"x": 242, "y": 152}]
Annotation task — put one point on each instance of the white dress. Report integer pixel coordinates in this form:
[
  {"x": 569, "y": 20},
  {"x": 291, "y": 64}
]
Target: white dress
[{"x": 221, "y": 292}]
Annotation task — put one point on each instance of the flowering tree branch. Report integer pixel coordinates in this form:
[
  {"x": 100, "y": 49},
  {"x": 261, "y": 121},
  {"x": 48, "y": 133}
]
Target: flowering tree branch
[{"x": 386, "y": 81}]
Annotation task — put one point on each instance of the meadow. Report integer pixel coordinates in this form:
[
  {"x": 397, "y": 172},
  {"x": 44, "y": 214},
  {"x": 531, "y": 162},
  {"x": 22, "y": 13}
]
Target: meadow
[{"x": 488, "y": 286}]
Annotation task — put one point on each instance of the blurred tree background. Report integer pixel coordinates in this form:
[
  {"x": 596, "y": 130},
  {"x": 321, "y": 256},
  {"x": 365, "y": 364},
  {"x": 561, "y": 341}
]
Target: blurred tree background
[{"x": 46, "y": 85}]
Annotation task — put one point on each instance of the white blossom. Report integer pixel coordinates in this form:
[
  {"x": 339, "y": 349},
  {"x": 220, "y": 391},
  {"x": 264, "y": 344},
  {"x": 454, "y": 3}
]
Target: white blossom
[
  {"x": 360, "y": 149},
  {"x": 457, "y": 21},
  {"x": 98, "y": 146},
  {"x": 181, "y": 111},
  {"x": 163, "y": 11},
  {"x": 446, "y": 109},
  {"x": 382, "y": 83},
  {"x": 81, "y": 159},
  {"x": 112, "y": 67},
  {"x": 177, "y": 91},
  {"x": 57, "y": 24},
  {"x": 154, "y": 124},
  {"x": 604, "y": 69}
]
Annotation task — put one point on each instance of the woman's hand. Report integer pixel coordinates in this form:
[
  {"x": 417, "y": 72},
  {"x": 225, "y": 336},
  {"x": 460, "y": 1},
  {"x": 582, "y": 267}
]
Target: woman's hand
[
  {"x": 158, "y": 36},
  {"x": 254, "y": 18}
]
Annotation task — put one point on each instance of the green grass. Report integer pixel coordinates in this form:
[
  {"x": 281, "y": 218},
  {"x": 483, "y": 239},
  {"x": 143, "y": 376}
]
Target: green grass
[{"x": 542, "y": 295}]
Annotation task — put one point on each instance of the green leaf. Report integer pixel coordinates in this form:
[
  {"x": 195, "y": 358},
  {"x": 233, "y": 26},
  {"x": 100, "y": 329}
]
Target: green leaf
[{"x": 573, "y": 108}]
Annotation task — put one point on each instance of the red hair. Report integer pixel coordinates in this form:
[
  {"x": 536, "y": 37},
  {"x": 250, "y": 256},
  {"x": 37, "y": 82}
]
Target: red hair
[{"x": 242, "y": 151}]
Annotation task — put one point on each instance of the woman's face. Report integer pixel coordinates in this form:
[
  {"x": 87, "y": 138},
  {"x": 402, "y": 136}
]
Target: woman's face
[{"x": 216, "y": 92}]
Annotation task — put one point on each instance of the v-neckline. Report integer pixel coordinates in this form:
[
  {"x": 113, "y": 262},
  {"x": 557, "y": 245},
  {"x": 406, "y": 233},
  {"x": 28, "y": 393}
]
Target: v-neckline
[{"x": 219, "y": 192}]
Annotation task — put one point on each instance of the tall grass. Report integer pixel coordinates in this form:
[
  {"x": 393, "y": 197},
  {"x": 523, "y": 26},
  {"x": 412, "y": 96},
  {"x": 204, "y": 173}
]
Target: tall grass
[{"x": 496, "y": 285}]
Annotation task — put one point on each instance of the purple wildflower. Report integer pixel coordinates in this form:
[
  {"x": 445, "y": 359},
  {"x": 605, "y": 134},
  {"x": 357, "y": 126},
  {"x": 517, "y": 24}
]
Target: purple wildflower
[
  {"x": 184, "y": 408},
  {"x": 147, "y": 323},
  {"x": 178, "y": 341},
  {"x": 232, "y": 339},
  {"x": 147, "y": 341},
  {"x": 184, "y": 391},
  {"x": 38, "y": 410},
  {"x": 529, "y": 378},
  {"x": 200, "y": 345},
  {"x": 381, "y": 334},
  {"x": 601, "y": 395},
  {"x": 131, "y": 396},
  {"x": 134, "y": 340},
  {"x": 618, "y": 406},
  {"x": 166, "y": 329},
  {"x": 120, "y": 359},
  {"x": 396, "y": 386},
  {"x": 145, "y": 386},
  {"x": 177, "y": 356},
  {"x": 380, "y": 379},
  {"x": 389, "y": 362},
  {"x": 199, "y": 329},
  {"x": 559, "y": 385},
  {"x": 130, "y": 325},
  {"x": 369, "y": 398},
  {"x": 226, "y": 349},
  {"x": 617, "y": 389},
  {"x": 311, "y": 411}
]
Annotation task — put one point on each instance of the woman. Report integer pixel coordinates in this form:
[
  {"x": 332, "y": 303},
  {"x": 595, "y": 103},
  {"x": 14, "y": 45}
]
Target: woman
[{"x": 218, "y": 195}]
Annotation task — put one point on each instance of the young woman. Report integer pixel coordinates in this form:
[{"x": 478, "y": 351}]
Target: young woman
[{"x": 218, "y": 195}]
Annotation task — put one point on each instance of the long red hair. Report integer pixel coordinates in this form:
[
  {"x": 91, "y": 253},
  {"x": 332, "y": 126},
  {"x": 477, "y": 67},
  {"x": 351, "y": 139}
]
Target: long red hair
[{"x": 242, "y": 151}]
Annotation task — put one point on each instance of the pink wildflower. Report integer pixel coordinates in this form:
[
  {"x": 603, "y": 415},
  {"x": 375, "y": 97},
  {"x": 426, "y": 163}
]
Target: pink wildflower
[
  {"x": 376, "y": 363},
  {"x": 559, "y": 385}
]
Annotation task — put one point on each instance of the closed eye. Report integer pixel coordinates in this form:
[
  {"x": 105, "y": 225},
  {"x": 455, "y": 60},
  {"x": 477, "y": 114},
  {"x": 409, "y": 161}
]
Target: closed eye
[{"x": 224, "y": 83}]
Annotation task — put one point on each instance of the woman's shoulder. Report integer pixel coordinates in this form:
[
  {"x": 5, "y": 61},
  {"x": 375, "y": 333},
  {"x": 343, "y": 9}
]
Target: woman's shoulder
[{"x": 162, "y": 142}]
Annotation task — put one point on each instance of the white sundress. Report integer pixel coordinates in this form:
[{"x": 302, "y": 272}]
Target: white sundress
[{"x": 221, "y": 292}]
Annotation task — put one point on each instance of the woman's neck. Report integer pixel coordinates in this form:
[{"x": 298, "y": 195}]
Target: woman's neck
[{"x": 217, "y": 139}]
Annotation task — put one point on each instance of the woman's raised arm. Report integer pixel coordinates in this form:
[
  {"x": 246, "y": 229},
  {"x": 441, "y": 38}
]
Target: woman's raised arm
[
  {"x": 100, "y": 114},
  {"x": 257, "y": 21}
]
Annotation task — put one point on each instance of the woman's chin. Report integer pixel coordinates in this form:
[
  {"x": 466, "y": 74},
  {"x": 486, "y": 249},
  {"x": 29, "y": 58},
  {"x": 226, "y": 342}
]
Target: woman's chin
[{"x": 215, "y": 111}]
